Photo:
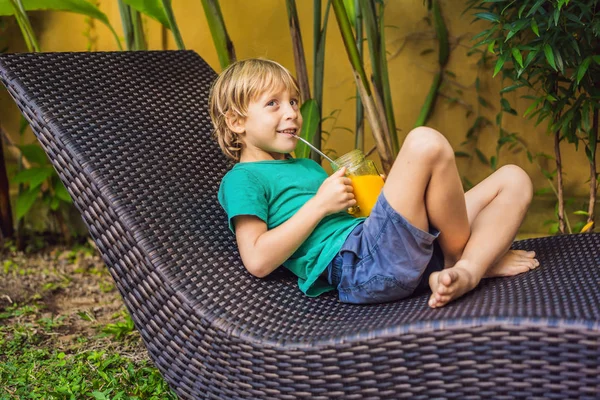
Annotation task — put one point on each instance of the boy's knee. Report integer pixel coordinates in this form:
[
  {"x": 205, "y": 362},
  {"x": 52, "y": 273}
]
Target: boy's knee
[
  {"x": 518, "y": 180},
  {"x": 429, "y": 144}
]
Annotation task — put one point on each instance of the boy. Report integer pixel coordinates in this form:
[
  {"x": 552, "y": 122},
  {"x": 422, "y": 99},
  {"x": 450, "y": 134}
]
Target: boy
[{"x": 423, "y": 229}]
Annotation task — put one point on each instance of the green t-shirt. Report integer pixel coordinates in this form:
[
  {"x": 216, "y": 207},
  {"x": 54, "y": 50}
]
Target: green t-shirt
[{"x": 274, "y": 191}]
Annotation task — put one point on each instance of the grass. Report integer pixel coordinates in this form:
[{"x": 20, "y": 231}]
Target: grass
[{"x": 65, "y": 334}]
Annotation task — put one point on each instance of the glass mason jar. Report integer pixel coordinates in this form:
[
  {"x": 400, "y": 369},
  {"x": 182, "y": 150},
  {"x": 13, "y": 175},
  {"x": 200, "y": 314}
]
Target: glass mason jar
[{"x": 366, "y": 181}]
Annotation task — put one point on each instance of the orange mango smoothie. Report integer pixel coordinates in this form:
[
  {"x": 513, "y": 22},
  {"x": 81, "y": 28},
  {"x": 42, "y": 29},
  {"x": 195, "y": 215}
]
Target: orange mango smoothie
[{"x": 366, "y": 190}]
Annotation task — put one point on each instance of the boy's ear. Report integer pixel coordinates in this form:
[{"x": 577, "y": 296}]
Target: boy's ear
[{"x": 235, "y": 123}]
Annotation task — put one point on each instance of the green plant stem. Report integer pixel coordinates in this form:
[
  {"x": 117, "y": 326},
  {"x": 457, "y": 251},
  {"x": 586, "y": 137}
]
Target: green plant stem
[
  {"x": 359, "y": 135},
  {"x": 385, "y": 85},
  {"x": 360, "y": 78},
  {"x": 139, "y": 38},
  {"x": 299, "y": 58},
  {"x": 320, "y": 35},
  {"x": 559, "y": 193},
  {"x": 216, "y": 24},
  {"x": 441, "y": 33},
  {"x": 25, "y": 26},
  {"x": 429, "y": 100},
  {"x": 125, "y": 12},
  {"x": 173, "y": 24},
  {"x": 593, "y": 173}
]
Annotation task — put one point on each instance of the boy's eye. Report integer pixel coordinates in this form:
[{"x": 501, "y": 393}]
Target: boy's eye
[
  {"x": 271, "y": 103},
  {"x": 294, "y": 102}
]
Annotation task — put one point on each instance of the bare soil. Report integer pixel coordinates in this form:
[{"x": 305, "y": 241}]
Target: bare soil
[{"x": 71, "y": 286}]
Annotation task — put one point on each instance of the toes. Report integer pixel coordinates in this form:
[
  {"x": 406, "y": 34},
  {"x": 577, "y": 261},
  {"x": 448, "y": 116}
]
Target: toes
[
  {"x": 525, "y": 253},
  {"x": 445, "y": 279},
  {"x": 432, "y": 302}
]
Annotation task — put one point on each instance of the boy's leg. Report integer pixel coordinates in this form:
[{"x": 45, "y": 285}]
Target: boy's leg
[
  {"x": 496, "y": 209},
  {"x": 424, "y": 186},
  {"x": 507, "y": 178}
]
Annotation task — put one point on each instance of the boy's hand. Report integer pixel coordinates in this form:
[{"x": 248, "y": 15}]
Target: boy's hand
[{"x": 335, "y": 194}]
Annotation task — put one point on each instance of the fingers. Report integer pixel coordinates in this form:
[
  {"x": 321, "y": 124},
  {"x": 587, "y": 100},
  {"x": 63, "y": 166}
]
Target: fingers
[{"x": 340, "y": 172}]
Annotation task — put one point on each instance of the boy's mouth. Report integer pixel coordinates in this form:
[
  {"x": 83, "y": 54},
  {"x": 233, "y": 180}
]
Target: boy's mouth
[{"x": 290, "y": 132}]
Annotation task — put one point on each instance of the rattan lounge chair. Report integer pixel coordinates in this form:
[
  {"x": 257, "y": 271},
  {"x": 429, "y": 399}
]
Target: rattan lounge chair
[{"x": 129, "y": 135}]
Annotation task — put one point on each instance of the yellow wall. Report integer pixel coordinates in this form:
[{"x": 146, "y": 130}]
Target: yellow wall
[{"x": 259, "y": 28}]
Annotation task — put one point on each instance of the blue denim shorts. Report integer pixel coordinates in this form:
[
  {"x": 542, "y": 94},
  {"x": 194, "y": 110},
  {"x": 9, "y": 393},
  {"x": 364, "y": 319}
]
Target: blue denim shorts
[{"x": 384, "y": 258}]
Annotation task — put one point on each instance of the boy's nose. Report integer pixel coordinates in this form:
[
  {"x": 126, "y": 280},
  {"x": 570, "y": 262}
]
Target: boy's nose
[{"x": 291, "y": 112}]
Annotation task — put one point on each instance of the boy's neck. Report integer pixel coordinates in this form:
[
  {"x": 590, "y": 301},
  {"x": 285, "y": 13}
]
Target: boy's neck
[{"x": 264, "y": 157}]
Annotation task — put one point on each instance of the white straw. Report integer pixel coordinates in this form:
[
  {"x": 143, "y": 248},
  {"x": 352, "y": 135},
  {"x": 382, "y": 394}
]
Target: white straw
[{"x": 317, "y": 150}]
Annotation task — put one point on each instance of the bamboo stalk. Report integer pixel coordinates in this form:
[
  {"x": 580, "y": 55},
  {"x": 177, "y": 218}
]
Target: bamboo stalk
[
  {"x": 372, "y": 34},
  {"x": 216, "y": 24},
  {"x": 561, "y": 202},
  {"x": 6, "y": 220},
  {"x": 593, "y": 172},
  {"x": 125, "y": 12},
  {"x": 25, "y": 26},
  {"x": 359, "y": 134},
  {"x": 299, "y": 58},
  {"x": 385, "y": 86},
  {"x": 320, "y": 35},
  {"x": 363, "y": 85},
  {"x": 139, "y": 38},
  {"x": 173, "y": 24},
  {"x": 429, "y": 100}
]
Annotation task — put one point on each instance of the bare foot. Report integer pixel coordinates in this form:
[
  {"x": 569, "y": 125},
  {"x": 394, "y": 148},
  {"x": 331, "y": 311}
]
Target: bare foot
[
  {"x": 512, "y": 263},
  {"x": 450, "y": 284}
]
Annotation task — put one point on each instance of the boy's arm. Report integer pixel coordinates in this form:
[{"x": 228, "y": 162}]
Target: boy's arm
[{"x": 264, "y": 250}]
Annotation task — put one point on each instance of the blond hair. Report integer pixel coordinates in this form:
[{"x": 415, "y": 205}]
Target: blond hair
[{"x": 240, "y": 83}]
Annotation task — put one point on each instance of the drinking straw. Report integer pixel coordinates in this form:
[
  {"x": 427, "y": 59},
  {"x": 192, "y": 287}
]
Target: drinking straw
[{"x": 317, "y": 150}]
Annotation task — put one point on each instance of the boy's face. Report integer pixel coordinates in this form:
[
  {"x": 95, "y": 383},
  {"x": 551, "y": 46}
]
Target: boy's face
[{"x": 267, "y": 130}]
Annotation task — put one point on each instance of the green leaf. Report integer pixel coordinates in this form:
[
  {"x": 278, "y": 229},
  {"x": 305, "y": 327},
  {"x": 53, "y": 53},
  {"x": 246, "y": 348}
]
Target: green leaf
[
  {"x": 34, "y": 153},
  {"x": 482, "y": 157},
  {"x": 151, "y": 8},
  {"x": 500, "y": 63},
  {"x": 535, "y": 7},
  {"x": 462, "y": 154},
  {"x": 534, "y": 28},
  {"x": 493, "y": 162},
  {"x": 99, "y": 396},
  {"x": 488, "y": 16},
  {"x": 581, "y": 212},
  {"x": 350, "y": 10},
  {"x": 583, "y": 69},
  {"x": 511, "y": 88},
  {"x": 506, "y": 106},
  {"x": 54, "y": 203},
  {"x": 542, "y": 191},
  {"x": 61, "y": 192},
  {"x": 310, "y": 115},
  {"x": 25, "y": 201},
  {"x": 76, "y": 6},
  {"x": 517, "y": 56},
  {"x": 33, "y": 176},
  {"x": 550, "y": 56}
]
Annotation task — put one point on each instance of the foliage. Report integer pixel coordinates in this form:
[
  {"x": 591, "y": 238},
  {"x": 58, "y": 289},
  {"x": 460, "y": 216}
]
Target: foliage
[
  {"x": 370, "y": 95},
  {"x": 42, "y": 183},
  {"x": 76, "y": 6},
  {"x": 218, "y": 31},
  {"x": 56, "y": 347},
  {"x": 551, "y": 48},
  {"x": 32, "y": 369}
]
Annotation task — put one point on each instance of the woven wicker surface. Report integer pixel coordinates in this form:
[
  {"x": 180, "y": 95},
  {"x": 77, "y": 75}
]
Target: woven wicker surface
[{"x": 129, "y": 134}]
